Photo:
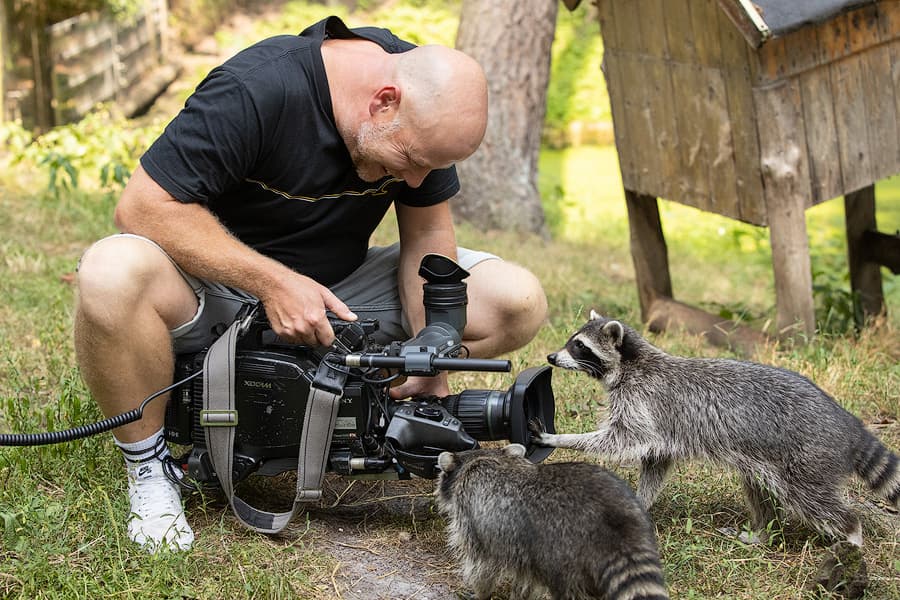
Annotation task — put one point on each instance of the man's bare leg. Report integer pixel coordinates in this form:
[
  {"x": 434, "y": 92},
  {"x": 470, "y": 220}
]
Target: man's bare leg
[
  {"x": 507, "y": 307},
  {"x": 130, "y": 296}
]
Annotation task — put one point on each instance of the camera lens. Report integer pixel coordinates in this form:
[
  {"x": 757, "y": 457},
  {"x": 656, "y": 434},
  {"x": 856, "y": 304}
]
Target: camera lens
[
  {"x": 496, "y": 415},
  {"x": 484, "y": 414}
]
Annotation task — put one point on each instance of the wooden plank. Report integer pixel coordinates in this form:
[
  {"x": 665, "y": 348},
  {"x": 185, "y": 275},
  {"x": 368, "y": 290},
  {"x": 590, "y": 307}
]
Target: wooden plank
[
  {"x": 741, "y": 113},
  {"x": 773, "y": 61},
  {"x": 753, "y": 30},
  {"x": 653, "y": 28},
  {"x": 802, "y": 50},
  {"x": 662, "y": 109},
  {"x": 878, "y": 95},
  {"x": 851, "y": 121},
  {"x": 865, "y": 275},
  {"x": 786, "y": 176},
  {"x": 639, "y": 122},
  {"x": 863, "y": 28},
  {"x": 734, "y": 48},
  {"x": 825, "y": 175},
  {"x": 888, "y": 20},
  {"x": 717, "y": 129},
  {"x": 629, "y": 25},
  {"x": 609, "y": 28},
  {"x": 893, "y": 49},
  {"x": 705, "y": 23},
  {"x": 834, "y": 39},
  {"x": 648, "y": 250},
  {"x": 680, "y": 31},
  {"x": 617, "y": 100},
  {"x": 693, "y": 150}
]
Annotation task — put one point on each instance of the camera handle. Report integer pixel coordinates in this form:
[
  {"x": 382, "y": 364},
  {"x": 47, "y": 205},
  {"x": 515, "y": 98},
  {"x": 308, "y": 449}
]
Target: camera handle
[{"x": 423, "y": 363}]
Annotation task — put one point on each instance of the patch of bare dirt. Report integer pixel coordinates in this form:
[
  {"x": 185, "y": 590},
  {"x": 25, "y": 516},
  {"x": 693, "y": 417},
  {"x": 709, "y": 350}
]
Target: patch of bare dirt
[
  {"x": 371, "y": 540},
  {"x": 387, "y": 540}
]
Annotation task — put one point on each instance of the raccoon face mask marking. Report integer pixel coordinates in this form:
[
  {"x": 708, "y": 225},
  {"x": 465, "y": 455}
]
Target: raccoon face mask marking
[{"x": 595, "y": 349}]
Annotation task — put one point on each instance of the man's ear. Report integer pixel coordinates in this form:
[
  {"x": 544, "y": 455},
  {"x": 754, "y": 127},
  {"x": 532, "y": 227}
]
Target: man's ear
[{"x": 385, "y": 100}]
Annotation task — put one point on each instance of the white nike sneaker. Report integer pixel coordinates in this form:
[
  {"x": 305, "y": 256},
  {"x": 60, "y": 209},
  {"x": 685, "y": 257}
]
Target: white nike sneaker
[{"x": 157, "y": 518}]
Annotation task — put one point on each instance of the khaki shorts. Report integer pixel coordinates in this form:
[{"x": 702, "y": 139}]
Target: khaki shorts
[{"x": 370, "y": 291}]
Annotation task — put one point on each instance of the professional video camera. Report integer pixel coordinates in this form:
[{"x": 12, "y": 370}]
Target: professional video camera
[{"x": 372, "y": 433}]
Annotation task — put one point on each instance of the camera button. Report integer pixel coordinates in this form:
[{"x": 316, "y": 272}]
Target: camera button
[{"x": 429, "y": 412}]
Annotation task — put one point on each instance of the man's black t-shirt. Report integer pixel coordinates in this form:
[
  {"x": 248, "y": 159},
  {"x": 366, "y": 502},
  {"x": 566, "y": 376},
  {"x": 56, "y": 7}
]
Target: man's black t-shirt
[{"x": 257, "y": 144}]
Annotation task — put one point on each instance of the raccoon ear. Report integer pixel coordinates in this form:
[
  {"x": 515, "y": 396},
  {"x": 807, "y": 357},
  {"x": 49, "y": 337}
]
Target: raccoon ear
[
  {"x": 446, "y": 461},
  {"x": 517, "y": 450},
  {"x": 615, "y": 330},
  {"x": 595, "y": 315}
]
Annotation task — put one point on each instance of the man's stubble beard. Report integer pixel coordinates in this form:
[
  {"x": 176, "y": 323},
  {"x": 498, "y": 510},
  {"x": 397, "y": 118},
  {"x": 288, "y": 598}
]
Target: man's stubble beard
[{"x": 367, "y": 138}]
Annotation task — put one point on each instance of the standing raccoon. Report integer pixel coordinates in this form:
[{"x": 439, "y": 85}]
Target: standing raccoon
[
  {"x": 574, "y": 529},
  {"x": 784, "y": 435}
]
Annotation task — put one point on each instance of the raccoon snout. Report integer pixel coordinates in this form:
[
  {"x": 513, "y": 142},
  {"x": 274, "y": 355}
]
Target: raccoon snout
[{"x": 551, "y": 358}]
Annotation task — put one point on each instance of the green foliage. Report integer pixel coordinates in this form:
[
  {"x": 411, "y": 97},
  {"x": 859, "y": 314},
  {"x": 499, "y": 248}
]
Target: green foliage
[
  {"x": 418, "y": 21},
  {"x": 96, "y": 153},
  {"x": 577, "y": 89}
]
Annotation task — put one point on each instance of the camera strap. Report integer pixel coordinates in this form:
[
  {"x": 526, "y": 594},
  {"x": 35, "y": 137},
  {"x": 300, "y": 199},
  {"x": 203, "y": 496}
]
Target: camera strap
[{"x": 219, "y": 419}]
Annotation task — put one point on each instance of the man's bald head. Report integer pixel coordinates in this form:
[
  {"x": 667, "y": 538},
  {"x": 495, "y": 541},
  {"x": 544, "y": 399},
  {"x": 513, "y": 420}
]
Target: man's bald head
[{"x": 444, "y": 99}]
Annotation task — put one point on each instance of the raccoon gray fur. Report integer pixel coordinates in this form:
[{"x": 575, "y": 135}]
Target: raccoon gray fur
[
  {"x": 573, "y": 529},
  {"x": 786, "y": 437}
]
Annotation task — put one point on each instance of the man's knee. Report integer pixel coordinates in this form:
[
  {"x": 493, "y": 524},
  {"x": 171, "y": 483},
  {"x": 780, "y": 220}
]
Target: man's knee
[
  {"x": 118, "y": 275},
  {"x": 511, "y": 297}
]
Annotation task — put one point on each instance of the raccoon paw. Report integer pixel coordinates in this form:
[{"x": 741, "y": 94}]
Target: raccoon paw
[{"x": 536, "y": 427}]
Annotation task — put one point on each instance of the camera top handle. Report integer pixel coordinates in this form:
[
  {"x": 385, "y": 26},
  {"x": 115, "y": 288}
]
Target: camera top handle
[{"x": 424, "y": 363}]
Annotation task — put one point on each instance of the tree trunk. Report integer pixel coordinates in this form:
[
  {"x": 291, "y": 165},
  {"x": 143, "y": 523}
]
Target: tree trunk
[{"x": 511, "y": 39}]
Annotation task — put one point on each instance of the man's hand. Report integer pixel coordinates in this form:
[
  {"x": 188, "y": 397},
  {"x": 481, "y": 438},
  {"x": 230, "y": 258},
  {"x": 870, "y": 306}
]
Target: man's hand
[
  {"x": 296, "y": 310},
  {"x": 422, "y": 386}
]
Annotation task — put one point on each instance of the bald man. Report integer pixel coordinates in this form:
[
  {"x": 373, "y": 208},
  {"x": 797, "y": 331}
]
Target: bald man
[{"x": 268, "y": 185}]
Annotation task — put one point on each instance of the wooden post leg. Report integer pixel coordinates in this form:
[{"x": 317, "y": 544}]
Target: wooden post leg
[
  {"x": 791, "y": 265},
  {"x": 865, "y": 275},
  {"x": 648, "y": 250}
]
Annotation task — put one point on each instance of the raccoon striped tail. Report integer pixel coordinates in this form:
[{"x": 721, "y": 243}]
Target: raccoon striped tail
[
  {"x": 636, "y": 576},
  {"x": 879, "y": 468}
]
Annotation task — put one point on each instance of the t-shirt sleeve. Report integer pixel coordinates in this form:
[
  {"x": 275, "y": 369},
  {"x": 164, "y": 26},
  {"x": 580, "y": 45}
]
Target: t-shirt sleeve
[
  {"x": 438, "y": 186},
  {"x": 211, "y": 145}
]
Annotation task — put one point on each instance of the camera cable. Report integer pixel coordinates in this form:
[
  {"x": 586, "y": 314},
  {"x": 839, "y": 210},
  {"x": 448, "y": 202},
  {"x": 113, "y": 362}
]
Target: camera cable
[{"x": 83, "y": 431}]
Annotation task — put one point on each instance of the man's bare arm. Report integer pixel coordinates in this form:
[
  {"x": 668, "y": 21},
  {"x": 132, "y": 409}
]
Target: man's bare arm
[
  {"x": 422, "y": 231},
  {"x": 198, "y": 242}
]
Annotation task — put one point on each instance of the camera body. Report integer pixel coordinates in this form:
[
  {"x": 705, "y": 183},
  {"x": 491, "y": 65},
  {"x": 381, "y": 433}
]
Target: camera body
[{"x": 373, "y": 434}]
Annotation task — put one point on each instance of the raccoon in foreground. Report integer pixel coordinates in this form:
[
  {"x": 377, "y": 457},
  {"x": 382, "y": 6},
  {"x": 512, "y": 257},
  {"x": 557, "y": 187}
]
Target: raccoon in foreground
[
  {"x": 784, "y": 435},
  {"x": 573, "y": 529}
]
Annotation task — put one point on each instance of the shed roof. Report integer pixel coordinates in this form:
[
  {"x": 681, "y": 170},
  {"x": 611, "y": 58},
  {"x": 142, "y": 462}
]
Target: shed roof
[
  {"x": 760, "y": 20},
  {"x": 783, "y": 16}
]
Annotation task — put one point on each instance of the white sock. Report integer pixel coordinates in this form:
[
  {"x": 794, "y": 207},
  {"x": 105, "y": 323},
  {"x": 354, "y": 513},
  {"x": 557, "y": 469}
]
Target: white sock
[{"x": 137, "y": 452}]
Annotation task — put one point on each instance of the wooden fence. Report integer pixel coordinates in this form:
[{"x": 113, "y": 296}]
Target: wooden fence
[{"x": 89, "y": 59}]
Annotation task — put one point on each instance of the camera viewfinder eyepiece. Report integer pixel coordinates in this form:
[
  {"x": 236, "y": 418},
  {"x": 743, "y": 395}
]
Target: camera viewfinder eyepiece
[{"x": 444, "y": 291}]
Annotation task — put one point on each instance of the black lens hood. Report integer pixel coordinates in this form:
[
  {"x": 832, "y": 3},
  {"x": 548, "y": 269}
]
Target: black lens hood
[{"x": 532, "y": 399}]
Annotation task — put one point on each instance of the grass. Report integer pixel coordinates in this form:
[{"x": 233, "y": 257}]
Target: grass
[{"x": 62, "y": 508}]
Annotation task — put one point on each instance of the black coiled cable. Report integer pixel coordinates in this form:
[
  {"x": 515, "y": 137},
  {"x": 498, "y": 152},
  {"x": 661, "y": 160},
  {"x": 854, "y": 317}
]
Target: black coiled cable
[{"x": 83, "y": 431}]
